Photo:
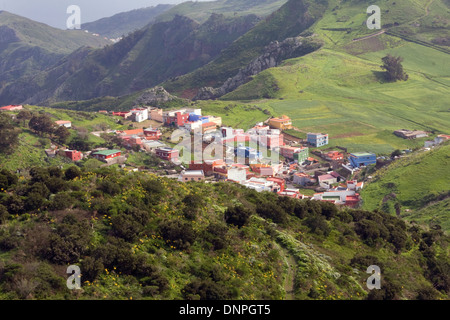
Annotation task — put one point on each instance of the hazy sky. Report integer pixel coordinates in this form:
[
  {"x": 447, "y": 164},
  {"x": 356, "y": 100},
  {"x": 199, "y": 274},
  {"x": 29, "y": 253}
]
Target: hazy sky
[{"x": 53, "y": 12}]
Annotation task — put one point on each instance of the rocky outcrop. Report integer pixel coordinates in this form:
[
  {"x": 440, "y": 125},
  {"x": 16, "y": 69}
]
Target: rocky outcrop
[
  {"x": 273, "y": 55},
  {"x": 154, "y": 96}
]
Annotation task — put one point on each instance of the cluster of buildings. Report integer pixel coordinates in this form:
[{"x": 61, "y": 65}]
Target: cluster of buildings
[
  {"x": 345, "y": 194},
  {"x": 438, "y": 140}
]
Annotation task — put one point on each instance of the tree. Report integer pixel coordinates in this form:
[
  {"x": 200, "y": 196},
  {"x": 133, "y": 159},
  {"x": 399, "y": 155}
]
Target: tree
[
  {"x": 237, "y": 215},
  {"x": 42, "y": 124},
  {"x": 24, "y": 115},
  {"x": 394, "y": 68},
  {"x": 62, "y": 133},
  {"x": 8, "y": 133},
  {"x": 72, "y": 173}
]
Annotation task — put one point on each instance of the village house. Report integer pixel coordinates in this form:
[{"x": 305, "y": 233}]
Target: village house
[
  {"x": 207, "y": 166},
  {"x": 73, "y": 155},
  {"x": 11, "y": 108},
  {"x": 192, "y": 175},
  {"x": 156, "y": 114},
  {"x": 139, "y": 114},
  {"x": 169, "y": 154},
  {"x": 438, "y": 140},
  {"x": 123, "y": 114},
  {"x": 303, "y": 179},
  {"x": 152, "y": 134},
  {"x": 208, "y": 127},
  {"x": 410, "y": 134},
  {"x": 64, "y": 123},
  {"x": 334, "y": 156},
  {"x": 358, "y": 159},
  {"x": 261, "y": 184},
  {"x": 104, "y": 155},
  {"x": 317, "y": 139},
  {"x": 282, "y": 123},
  {"x": 262, "y": 170},
  {"x": 152, "y": 145},
  {"x": 292, "y": 193},
  {"x": 232, "y": 172}
]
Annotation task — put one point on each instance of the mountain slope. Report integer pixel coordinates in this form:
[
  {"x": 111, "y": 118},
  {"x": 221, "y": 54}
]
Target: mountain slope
[
  {"x": 27, "y": 47},
  {"x": 138, "y": 236},
  {"x": 141, "y": 60},
  {"x": 123, "y": 23},
  {"x": 290, "y": 20}
]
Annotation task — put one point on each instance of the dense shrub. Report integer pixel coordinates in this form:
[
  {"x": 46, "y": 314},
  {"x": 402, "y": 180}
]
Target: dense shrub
[
  {"x": 72, "y": 173},
  {"x": 126, "y": 227},
  {"x": 215, "y": 234},
  {"x": 270, "y": 210},
  {"x": 179, "y": 233},
  {"x": 205, "y": 290},
  {"x": 237, "y": 215},
  {"x": 109, "y": 187},
  {"x": 318, "y": 224}
]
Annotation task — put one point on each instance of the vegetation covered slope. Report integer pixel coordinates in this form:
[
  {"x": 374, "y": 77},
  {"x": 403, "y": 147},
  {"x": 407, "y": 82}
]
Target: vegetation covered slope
[
  {"x": 139, "y": 236},
  {"x": 139, "y": 61},
  {"x": 290, "y": 20},
  {"x": 123, "y": 23},
  {"x": 27, "y": 47},
  {"x": 201, "y": 10},
  {"x": 413, "y": 184}
]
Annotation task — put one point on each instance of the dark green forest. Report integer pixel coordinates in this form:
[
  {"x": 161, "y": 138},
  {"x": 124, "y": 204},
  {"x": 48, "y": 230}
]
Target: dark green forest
[{"x": 139, "y": 236}]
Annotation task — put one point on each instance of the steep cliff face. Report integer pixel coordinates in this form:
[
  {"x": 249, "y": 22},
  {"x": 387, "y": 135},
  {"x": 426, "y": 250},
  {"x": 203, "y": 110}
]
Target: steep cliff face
[{"x": 273, "y": 55}]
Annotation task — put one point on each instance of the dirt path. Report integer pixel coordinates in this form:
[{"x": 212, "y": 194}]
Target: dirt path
[{"x": 288, "y": 283}]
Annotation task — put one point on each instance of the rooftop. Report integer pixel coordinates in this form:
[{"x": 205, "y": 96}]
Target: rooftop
[
  {"x": 362, "y": 154},
  {"x": 107, "y": 152},
  {"x": 193, "y": 173}
]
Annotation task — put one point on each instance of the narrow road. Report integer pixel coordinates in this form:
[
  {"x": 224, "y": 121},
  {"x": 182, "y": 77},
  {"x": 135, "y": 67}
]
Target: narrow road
[{"x": 288, "y": 283}]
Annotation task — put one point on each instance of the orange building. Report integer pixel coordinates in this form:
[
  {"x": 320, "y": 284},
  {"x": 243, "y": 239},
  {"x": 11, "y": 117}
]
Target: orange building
[{"x": 282, "y": 123}]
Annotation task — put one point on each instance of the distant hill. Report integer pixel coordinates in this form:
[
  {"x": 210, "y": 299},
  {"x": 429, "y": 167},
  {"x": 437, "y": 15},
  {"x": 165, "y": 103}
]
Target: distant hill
[
  {"x": 123, "y": 23},
  {"x": 139, "y": 61},
  {"x": 200, "y": 11},
  {"x": 27, "y": 47}
]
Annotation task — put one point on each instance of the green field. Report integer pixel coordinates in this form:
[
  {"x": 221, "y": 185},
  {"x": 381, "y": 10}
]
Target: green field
[
  {"x": 343, "y": 95},
  {"x": 416, "y": 181}
]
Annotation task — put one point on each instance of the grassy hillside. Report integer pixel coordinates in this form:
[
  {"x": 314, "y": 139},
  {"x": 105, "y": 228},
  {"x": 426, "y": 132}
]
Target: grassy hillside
[
  {"x": 138, "y": 236},
  {"x": 30, "y": 151},
  {"x": 346, "y": 97},
  {"x": 123, "y": 23},
  {"x": 290, "y": 20},
  {"x": 414, "y": 182}
]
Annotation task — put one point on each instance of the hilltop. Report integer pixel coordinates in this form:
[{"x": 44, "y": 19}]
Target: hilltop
[{"x": 123, "y": 23}]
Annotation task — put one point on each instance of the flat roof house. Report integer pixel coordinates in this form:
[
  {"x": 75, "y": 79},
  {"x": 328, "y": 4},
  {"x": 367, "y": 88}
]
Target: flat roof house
[
  {"x": 282, "y": 123},
  {"x": 317, "y": 139},
  {"x": 192, "y": 175},
  {"x": 104, "y": 155},
  {"x": 167, "y": 153},
  {"x": 64, "y": 123},
  {"x": 359, "y": 159}
]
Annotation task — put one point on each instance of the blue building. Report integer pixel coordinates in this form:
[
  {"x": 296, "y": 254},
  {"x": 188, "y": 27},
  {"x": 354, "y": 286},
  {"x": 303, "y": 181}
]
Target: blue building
[
  {"x": 359, "y": 159},
  {"x": 317, "y": 139},
  {"x": 248, "y": 153},
  {"x": 194, "y": 117}
]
